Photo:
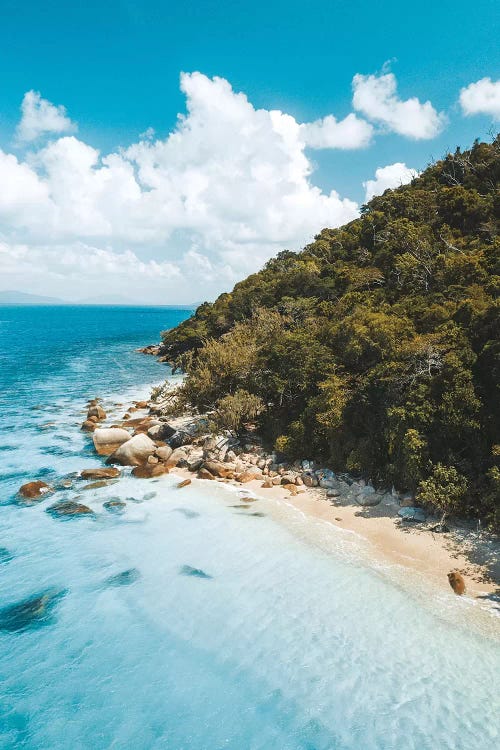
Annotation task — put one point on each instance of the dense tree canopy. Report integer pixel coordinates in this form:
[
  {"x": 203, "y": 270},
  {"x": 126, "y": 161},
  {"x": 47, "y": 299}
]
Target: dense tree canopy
[{"x": 377, "y": 347}]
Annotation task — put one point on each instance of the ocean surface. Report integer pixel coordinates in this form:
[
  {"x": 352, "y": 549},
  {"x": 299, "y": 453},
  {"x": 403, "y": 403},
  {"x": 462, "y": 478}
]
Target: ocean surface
[{"x": 187, "y": 622}]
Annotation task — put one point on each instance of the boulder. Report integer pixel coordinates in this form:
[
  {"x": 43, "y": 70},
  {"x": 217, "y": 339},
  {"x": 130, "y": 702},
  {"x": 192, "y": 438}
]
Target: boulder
[
  {"x": 69, "y": 509},
  {"x": 219, "y": 469},
  {"x": 456, "y": 582},
  {"x": 108, "y": 439},
  {"x": 267, "y": 484},
  {"x": 34, "y": 491},
  {"x": 292, "y": 488},
  {"x": 333, "y": 493},
  {"x": 141, "y": 404},
  {"x": 134, "y": 452},
  {"x": 177, "y": 456},
  {"x": 368, "y": 500},
  {"x": 205, "y": 474},
  {"x": 249, "y": 476},
  {"x": 179, "y": 438},
  {"x": 417, "y": 515},
  {"x": 103, "y": 473},
  {"x": 184, "y": 483},
  {"x": 161, "y": 431},
  {"x": 146, "y": 471},
  {"x": 164, "y": 452},
  {"x": 194, "y": 461},
  {"x": 276, "y": 480},
  {"x": 309, "y": 480},
  {"x": 88, "y": 426},
  {"x": 96, "y": 411}
]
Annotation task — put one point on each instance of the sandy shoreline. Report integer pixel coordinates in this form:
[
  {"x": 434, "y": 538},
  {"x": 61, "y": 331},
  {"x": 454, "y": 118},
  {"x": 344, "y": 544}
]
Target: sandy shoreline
[
  {"x": 389, "y": 541},
  {"x": 424, "y": 552}
]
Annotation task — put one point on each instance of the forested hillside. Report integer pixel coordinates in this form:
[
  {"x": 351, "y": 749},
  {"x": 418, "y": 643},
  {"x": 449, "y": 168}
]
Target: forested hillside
[{"x": 377, "y": 348}]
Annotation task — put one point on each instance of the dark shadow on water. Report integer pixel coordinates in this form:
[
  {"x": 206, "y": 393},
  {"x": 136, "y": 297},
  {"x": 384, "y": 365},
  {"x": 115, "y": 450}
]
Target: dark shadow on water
[
  {"x": 34, "y": 612},
  {"x": 5, "y": 555},
  {"x": 187, "y": 570},
  {"x": 186, "y": 512}
]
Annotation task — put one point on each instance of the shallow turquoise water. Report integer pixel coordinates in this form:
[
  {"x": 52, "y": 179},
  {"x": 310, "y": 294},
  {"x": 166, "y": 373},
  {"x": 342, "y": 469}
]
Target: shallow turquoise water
[{"x": 284, "y": 647}]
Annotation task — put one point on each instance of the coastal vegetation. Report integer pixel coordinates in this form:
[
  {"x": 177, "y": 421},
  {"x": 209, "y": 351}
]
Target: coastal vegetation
[{"x": 376, "y": 348}]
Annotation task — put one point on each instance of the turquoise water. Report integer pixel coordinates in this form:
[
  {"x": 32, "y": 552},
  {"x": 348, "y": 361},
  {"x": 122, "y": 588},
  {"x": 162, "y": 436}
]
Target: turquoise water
[{"x": 284, "y": 646}]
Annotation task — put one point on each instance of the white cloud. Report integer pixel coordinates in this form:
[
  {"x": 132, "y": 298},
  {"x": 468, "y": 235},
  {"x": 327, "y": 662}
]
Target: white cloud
[
  {"x": 350, "y": 133},
  {"x": 391, "y": 176},
  {"x": 39, "y": 117},
  {"x": 178, "y": 219},
  {"x": 481, "y": 98},
  {"x": 376, "y": 97}
]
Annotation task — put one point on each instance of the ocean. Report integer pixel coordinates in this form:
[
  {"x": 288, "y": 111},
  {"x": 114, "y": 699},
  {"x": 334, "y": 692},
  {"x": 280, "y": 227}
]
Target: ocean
[{"x": 187, "y": 622}]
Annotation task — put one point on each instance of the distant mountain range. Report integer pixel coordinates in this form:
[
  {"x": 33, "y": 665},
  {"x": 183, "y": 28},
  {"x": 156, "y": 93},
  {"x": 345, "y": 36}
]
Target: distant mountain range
[
  {"x": 13, "y": 297},
  {"x": 10, "y": 297}
]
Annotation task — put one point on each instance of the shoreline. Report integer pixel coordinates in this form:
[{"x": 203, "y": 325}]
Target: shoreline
[
  {"x": 388, "y": 540},
  {"x": 419, "y": 550}
]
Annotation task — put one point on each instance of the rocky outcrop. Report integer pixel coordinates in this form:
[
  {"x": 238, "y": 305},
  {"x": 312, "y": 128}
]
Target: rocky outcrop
[
  {"x": 134, "y": 452},
  {"x": 108, "y": 439}
]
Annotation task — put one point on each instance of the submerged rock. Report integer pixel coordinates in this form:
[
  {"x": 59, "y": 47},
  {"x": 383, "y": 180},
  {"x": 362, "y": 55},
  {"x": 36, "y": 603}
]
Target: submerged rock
[
  {"x": 100, "y": 483},
  {"x": 115, "y": 505},
  {"x": 34, "y": 491},
  {"x": 109, "y": 472},
  {"x": 31, "y": 612},
  {"x": 125, "y": 578},
  {"x": 187, "y": 512},
  {"x": 69, "y": 509},
  {"x": 5, "y": 555},
  {"x": 187, "y": 570}
]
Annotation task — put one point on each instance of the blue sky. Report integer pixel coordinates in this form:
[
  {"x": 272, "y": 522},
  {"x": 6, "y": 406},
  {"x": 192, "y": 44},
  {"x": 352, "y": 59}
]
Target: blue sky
[{"x": 115, "y": 67}]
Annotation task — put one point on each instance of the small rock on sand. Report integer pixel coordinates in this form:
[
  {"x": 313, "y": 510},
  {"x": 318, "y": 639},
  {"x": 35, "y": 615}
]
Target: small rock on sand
[{"x": 184, "y": 483}]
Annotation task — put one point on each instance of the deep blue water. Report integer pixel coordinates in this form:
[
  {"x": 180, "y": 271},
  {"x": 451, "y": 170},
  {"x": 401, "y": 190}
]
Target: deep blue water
[{"x": 292, "y": 641}]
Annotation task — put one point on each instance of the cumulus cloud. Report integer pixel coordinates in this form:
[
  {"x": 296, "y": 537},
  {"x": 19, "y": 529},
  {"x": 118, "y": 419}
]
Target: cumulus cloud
[
  {"x": 350, "y": 133},
  {"x": 391, "y": 176},
  {"x": 481, "y": 98},
  {"x": 40, "y": 117},
  {"x": 376, "y": 97},
  {"x": 183, "y": 217}
]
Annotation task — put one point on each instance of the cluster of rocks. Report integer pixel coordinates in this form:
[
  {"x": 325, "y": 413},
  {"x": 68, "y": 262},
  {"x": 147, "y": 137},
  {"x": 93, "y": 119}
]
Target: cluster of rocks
[{"x": 153, "y": 445}]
